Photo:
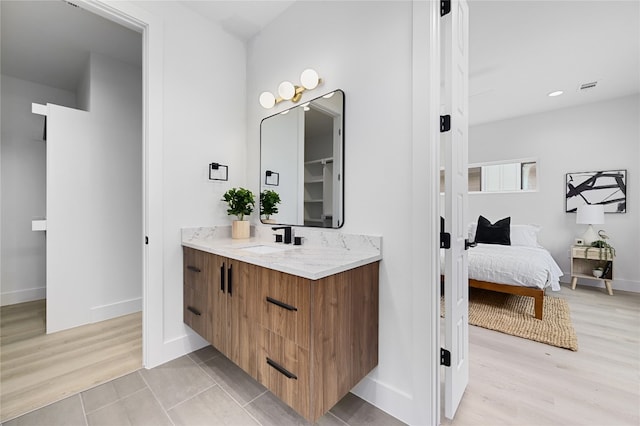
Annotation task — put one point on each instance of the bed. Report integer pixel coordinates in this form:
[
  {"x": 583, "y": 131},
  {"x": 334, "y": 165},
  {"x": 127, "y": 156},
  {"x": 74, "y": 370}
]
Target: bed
[{"x": 522, "y": 267}]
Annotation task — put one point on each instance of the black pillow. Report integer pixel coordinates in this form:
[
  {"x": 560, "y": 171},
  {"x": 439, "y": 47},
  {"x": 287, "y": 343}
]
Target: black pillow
[{"x": 497, "y": 233}]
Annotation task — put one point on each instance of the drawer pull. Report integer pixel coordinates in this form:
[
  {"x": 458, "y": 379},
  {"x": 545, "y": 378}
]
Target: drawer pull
[
  {"x": 281, "y": 369},
  {"x": 281, "y": 304},
  {"x": 193, "y": 268},
  {"x": 194, "y": 310},
  {"x": 229, "y": 281}
]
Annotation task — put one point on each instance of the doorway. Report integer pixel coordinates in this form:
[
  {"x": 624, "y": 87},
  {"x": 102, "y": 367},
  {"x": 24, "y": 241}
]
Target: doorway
[{"x": 23, "y": 88}]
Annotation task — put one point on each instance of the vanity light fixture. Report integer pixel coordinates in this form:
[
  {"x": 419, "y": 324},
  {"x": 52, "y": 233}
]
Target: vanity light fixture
[
  {"x": 218, "y": 171},
  {"x": 287, "y": 91},
  {"x": 556, "y": 93}
]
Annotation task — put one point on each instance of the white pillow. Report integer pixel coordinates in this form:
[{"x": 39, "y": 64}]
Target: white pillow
[
  {"x": 472, "y": 231},
  {"x": 525, "y": 235}
]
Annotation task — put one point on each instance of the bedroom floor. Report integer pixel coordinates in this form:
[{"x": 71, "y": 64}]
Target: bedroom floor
[{"x": 514, "y": 381}]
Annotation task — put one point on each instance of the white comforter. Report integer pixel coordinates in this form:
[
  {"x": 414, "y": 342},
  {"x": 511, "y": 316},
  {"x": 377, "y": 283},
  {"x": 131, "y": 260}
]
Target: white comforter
[{"x": 514, "y": 265}]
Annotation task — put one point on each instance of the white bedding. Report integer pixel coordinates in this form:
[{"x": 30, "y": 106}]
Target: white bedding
[{"x": 514, "y": 265}]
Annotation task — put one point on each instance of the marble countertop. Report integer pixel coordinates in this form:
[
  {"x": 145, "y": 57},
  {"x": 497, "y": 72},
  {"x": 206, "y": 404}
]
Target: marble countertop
[{"x": 322, "y": 253}]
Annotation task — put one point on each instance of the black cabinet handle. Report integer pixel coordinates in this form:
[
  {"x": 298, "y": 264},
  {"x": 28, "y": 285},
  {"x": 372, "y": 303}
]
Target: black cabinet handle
[
  {"x": 222, "y": 278},
  {"x": 193, "y": 268},
  {"x": 229, "y": 281},
  {"x": 281, "y": 304},
  {"x": 194, "y": 310},
  {"x": 281, "y": 369}
]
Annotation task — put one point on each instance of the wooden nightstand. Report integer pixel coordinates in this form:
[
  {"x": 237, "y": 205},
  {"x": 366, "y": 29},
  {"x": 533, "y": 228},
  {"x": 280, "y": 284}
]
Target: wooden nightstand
[{"x": 583, "y": 262}]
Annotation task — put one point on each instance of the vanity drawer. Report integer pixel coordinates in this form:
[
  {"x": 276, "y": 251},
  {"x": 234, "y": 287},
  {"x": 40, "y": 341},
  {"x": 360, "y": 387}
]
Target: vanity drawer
[
  {"x": 283, "y": 368},
  {"x": 196, "y": 312},
  {"x": 195, "y": 267},
  {"x": 285, "y": 305}
]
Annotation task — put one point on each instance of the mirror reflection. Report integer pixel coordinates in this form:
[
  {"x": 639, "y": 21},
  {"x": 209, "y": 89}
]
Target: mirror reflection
[{"x": 301, "y": 160}]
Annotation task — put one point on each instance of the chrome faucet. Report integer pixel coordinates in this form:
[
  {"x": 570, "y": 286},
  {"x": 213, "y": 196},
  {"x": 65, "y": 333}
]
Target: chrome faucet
[{"x": 288, "y": 232}]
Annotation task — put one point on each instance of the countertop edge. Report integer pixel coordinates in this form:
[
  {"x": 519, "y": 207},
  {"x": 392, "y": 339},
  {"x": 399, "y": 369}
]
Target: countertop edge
[{"x": 263, "y": 261}]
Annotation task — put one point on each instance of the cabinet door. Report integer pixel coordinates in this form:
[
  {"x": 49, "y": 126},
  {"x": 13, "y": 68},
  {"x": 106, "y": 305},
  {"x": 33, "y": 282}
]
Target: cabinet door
[
  {"x": 284, "y": 305},
  {"x": 196, "y": 309},
  {"x": 218, "y": 297},
  {"x": 242, "y": 315}
]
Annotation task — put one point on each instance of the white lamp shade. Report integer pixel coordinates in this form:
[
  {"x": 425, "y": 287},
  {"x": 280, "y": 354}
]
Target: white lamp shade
[
  {"x": 267, "y": 100},
  {"x": 286, "y": 90},
  {"x": 309, "y": 79},
  {"x": 590, "y": 214}
]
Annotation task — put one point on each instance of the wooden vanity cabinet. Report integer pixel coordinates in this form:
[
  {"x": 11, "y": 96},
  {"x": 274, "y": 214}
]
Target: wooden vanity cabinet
[
  {"x": 220, "y": 304},
  {"x": 308, "y": 341},
  {"x": 197, "y": 309},
  {"x": 318, "y": 338},
  {"x": 233, "y": 300}
]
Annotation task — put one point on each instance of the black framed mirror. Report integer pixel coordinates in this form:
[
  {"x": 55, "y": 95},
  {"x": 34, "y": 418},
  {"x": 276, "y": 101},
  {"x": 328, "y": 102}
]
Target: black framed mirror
[{"x": 302, "y": 161}]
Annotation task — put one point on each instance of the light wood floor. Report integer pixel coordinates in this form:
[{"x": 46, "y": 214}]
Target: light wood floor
[
  {"x": 37, "y": 369},
  {"x": 514, "y": 381}
]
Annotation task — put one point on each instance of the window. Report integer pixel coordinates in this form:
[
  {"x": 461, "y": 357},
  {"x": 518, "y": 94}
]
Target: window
[{"x": 512, "y": 176}]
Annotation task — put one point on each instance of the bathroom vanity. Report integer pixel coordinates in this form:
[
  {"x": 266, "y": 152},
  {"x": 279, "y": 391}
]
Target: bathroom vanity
[{"x": 301, "y": 320}]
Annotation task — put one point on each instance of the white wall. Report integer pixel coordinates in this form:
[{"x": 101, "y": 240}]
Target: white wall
[
  {"x": 364, "y": 48},
  {"x": 597, "y": 136},
  {"x": 203, "y": 94},
  {"x": 94, "y": 200},
  {"x": 23, "y": 187}
]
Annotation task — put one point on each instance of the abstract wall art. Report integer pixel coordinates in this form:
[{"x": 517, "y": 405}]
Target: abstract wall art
[{"x": 608, "y": 188}]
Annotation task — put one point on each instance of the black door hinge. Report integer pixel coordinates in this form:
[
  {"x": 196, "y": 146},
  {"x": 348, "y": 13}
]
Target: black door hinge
[
  {"x": 445, "y": 7},
  {"x": 445, "y": 240},
  {"x": 445, "y": 357},
  {"x": 146, "y": 240},
  {"x": 445, "y": 123}
]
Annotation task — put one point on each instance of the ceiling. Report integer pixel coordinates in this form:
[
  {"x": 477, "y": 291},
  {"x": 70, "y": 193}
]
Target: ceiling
[
  {"x": 48, "y": 42},
  {"x": 243, "y": 19},
  {"x": 522, "y": 50},
  {"x": 519, "y": 50}
]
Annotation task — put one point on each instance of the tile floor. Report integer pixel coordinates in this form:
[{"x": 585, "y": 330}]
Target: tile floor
[{"x": 202, "y": 388}]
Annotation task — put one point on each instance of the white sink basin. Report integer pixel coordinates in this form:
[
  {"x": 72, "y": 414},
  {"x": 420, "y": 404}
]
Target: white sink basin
[{"x": 260, "y": 249}]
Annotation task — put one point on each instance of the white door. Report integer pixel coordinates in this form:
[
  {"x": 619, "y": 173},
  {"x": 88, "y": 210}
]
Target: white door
[
  {"x": 70, "y": 192},
  {"x": 94, "y": 217},
  {"x": 455, "y": 57}
]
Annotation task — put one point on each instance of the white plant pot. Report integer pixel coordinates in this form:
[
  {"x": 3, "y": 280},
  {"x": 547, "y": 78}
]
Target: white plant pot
[
  {"x": 240, "y": 229},
  {"x": 597, "y": 273}
]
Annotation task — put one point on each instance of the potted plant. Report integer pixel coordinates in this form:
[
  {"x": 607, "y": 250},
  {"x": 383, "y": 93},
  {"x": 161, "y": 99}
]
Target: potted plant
[
  {"x": 269, "y": 201},
  {"x": 597, "y": 272},
  {"x": 605, "y": 250},
  {"x": 241, "y": 202}
]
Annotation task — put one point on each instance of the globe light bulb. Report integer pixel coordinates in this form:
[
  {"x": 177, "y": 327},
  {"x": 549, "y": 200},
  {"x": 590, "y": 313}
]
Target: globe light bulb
[
  {"x": 309, "y": 79},
  {"x": 267, "y": 100}
]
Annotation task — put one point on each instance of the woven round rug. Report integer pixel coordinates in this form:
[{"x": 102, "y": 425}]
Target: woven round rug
[{"x": 512, "y": 314}]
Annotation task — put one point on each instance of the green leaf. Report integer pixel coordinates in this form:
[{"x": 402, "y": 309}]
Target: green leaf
[{"x": 240, "y": 201}]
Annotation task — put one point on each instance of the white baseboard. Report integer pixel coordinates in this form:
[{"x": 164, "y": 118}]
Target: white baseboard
[
  {"x": 624, "y": 285},
  {"x": 175, "y": 348},
  {"x": 114, "y": 310},
  {"x": 21, "y": 296},
  {"x": 393, "y": 401}
]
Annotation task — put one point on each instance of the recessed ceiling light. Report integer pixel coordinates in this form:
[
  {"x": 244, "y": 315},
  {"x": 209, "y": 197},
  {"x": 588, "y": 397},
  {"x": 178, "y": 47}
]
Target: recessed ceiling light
[{"x": 556, "y": 93}]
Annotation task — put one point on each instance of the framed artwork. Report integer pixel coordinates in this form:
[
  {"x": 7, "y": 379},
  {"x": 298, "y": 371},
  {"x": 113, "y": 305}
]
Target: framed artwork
[{"x": 608, "y": 188}]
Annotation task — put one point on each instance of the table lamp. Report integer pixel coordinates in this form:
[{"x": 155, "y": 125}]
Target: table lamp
[{"x": 590, "y": 214}]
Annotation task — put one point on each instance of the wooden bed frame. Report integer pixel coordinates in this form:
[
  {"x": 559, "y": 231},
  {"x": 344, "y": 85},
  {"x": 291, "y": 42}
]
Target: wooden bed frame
[{"x": 536, "y": 293}]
